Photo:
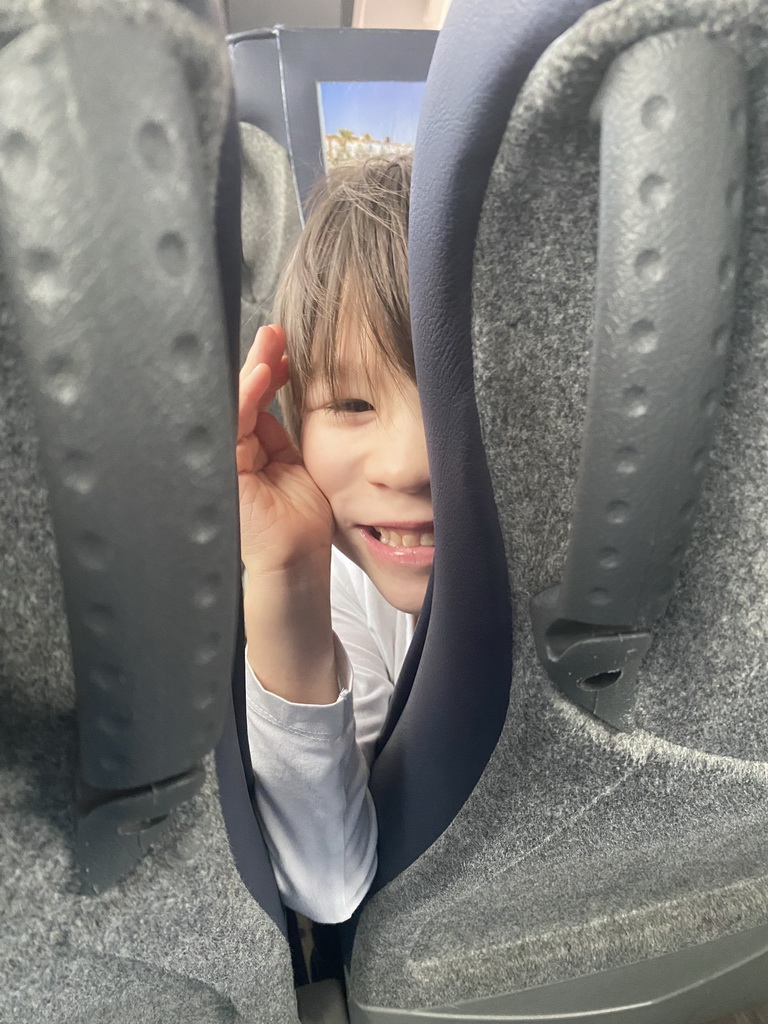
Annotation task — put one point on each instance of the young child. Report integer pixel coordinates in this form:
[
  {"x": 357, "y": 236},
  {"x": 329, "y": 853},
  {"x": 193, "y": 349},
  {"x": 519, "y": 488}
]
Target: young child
[{"x": 336, "y": 532}]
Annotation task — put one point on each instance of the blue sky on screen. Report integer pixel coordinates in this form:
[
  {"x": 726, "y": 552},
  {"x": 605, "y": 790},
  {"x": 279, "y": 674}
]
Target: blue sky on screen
[{"x": 380, "y": 108}]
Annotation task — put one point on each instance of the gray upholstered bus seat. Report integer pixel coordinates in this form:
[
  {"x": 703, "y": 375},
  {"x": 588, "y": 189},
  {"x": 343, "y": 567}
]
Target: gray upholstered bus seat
[
  {"x": 276, "y": 75},
  {"x": 122, "y": 900},
  {"x": 611, "y": 870},
  {"x": 271, "y": 221}
]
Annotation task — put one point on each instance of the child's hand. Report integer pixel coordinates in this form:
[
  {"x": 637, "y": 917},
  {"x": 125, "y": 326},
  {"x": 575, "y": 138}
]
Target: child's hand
[{"x": 284, "y": 517}]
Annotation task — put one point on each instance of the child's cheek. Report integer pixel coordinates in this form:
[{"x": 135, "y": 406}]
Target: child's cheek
[{"x": 328, "y": 458}]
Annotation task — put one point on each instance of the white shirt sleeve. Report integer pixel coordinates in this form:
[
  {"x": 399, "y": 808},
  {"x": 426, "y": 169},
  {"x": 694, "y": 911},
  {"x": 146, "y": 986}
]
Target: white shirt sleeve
[{"x": 311, "y": 763}]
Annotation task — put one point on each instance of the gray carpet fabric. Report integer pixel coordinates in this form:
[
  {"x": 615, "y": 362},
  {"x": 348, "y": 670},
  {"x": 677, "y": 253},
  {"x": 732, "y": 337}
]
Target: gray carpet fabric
[
  {"x": 583, "y": 849},
  {"x": 180, "y": 939},
  {"x": 270, "y": 225}
]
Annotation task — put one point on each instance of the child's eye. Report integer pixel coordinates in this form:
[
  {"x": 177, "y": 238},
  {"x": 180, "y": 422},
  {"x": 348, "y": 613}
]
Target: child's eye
[{"x": 350, "y": 405}]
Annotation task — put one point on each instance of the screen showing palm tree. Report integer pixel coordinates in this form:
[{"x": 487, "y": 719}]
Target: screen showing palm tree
[{"x": 362, "y": 119}]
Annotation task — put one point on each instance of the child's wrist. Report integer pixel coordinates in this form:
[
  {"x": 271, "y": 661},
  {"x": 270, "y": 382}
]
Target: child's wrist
[
  {"x": 289, "y": 633},
  {"x": 288, "y": 576}
]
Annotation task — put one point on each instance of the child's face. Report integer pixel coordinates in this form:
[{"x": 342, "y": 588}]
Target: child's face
[{"x": 367, "y": 453}]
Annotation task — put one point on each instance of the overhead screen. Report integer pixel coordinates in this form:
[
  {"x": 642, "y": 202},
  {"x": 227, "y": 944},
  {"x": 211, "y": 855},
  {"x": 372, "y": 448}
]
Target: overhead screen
[
  {"x": 328, "y": 96},
  {"x": 361, "y": 119}
]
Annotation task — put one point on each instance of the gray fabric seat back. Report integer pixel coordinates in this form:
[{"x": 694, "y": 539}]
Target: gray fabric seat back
[
  {"x": 119, "y": 530},
  {"x": 585, "y": 850}
]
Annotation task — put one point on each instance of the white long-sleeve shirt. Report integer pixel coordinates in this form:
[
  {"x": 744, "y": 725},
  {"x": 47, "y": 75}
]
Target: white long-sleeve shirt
[{"x": 312, "y": 761}]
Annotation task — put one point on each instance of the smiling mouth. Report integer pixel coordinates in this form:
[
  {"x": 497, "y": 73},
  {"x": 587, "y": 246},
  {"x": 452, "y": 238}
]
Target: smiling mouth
[{"x": 403, "y": 538}]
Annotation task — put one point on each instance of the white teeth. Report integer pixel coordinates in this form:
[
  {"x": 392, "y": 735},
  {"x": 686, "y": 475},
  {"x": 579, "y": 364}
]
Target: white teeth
[{"x": 405, "y": 540}]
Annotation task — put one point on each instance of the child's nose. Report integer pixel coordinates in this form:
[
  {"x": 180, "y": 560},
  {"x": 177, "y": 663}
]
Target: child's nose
[{"x": 398, "y": 458}]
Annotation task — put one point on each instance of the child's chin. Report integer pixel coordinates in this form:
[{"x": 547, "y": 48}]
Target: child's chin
[{"x": 405, "y": 595}]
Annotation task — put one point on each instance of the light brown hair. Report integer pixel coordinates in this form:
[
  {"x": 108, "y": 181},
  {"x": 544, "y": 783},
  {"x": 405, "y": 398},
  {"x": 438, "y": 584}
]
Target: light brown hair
[{"x": 351, "y": 261}]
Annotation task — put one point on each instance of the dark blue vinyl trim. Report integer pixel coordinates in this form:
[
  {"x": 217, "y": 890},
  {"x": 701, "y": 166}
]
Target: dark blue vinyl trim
[
  {"x": 228, "y": 239},
  {"x": 257, "y": 77},
  {"x": 233, "y": 759},
  {"x": 233, "y": 768},
  {"x": 449, "y": 704}
]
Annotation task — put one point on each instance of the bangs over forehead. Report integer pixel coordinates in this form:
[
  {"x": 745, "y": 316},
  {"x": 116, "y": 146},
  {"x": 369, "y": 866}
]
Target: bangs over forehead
[{"x": 347, "y": 282}]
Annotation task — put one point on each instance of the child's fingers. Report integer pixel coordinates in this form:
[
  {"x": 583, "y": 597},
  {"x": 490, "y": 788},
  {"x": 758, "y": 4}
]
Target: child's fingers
[
  {"x": 279, "y": 378},
  {"x": 257, "y": 391},
  {"x": 256, "y": 351},
  {"x": 277, "y": 445},
  {"x": 280, "y": 375},
  {"x": 250, "y": 456},
  {"x": 269, "y": 443},
  {"x": 252, "y": 389},
  {"x": 268, "y": 347}
]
